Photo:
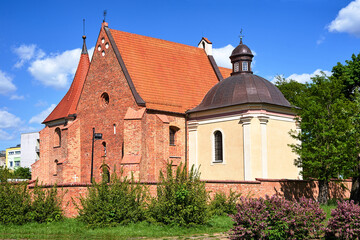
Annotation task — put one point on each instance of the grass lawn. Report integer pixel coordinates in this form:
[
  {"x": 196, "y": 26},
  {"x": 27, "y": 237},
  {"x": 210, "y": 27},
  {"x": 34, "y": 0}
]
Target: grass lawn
[{"x": 74, "y": 229}]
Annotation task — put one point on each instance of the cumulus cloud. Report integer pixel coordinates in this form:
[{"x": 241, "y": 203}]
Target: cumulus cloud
[
  {"x": 9, "y": 120},
  {"x": 26, "y": 53},
  {"x": 57, "y": 70},
  {"x": 347, "y": 20},
  {"x": 6, "y": 85},
  {"x": 222, "y": 56},
  {"x": 42, "y": 116},
  {"x": 306, "y": 77}
]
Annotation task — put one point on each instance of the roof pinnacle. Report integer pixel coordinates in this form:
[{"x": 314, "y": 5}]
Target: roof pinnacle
[{"x": 84, "y": 49}]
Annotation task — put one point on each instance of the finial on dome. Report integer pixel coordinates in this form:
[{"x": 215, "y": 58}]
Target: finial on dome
[{"x": 241, "y": 36}]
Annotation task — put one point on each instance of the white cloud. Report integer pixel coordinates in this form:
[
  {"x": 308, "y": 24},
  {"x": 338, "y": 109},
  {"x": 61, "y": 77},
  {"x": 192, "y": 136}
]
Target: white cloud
[
  {"x": 41, "y": 103},
  {"x": 6, "y": 85},
  {"x": 347, "y": 20},
  {"x": 5, "y": 136},
  {"x": 306, "y": 77},
  {"x": 57, "y": 70},
  {"x": 26, "y": 53},
  {"x": 42, "y": 116},
  {"x": 320, "y": 40},
  {"x": 222, "y": 56},
  {"x": 9, "y": 120},
  {"x": 17, "y": 97}
]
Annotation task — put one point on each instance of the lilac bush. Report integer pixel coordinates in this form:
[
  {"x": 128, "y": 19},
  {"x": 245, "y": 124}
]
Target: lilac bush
[
  {"x": 344, "y": 222},
  {"x": 277, "y": 218}
]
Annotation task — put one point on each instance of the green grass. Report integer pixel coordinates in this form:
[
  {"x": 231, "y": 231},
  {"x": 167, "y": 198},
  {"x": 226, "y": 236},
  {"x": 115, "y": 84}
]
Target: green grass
[
  {"x": 327, "y": 208},
  {"x": 75, "y": 230}
]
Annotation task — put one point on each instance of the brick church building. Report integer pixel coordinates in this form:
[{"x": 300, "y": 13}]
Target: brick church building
[{"x": 144, "y": 102}]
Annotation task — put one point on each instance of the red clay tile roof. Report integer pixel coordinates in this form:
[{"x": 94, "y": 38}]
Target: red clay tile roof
[
  {"x": 169, "y": 76},
  {"x": 69, "y": 102},
  {"x": 225, "y": 72}
]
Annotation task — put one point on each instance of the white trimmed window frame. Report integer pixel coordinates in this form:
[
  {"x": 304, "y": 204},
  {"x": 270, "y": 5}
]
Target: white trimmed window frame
[{"x": 213, "y": 161}]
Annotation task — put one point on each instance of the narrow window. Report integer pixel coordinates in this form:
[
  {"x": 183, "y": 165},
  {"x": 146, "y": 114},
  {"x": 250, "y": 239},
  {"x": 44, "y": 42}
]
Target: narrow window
[
  {"x": 218, "y": 141},
  {"x": 245, "y": 66},
  {"x": 172, "y": 132},
  {"x": 57, "y": 138},
  {"x": 104, "y": 145},
  {"x": 55, "y": 167},
  {"x": 114, "y": 128}
]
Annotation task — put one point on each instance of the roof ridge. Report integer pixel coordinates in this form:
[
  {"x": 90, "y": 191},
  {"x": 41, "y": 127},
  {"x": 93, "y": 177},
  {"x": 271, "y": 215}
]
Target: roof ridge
[{"x": 163, "y": 40}]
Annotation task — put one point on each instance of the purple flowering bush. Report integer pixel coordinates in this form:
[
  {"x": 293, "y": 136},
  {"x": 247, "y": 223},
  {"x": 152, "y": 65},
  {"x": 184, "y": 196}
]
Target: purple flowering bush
[
  {"x": 344, "y": 222},
  {"x": 277, "y": 218}
]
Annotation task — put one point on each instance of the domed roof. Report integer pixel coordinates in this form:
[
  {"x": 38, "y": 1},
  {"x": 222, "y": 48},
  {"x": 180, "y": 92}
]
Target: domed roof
[
  {"x": 241, "y": 89},
  {"x": 241, "y": 49}
]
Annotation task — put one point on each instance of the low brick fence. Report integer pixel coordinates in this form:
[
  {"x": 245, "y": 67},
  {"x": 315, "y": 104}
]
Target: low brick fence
[{"x": 290, "y": 189}]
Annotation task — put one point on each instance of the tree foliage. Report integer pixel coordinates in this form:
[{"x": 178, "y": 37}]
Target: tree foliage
[{"x": 328, "y": 135}]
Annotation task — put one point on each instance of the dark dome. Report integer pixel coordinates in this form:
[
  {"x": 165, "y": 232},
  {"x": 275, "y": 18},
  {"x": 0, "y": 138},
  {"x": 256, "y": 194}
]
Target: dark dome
[
  {"x": 242, "y": 49},
  {"x": 240, "y": 89}
]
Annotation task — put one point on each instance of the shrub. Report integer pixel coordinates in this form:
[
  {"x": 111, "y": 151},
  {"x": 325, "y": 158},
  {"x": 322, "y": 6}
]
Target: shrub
[
  {"x": 22, "y": 173},
  {"x": 15, "y": 203},
  {"x": 45, "y": 205},
  {"x": 119, "y": 202},
  {"x": 344, "y": 222},
  {"x": 277, "y": 218},
  {"x": 181, "y": 199},
  {"x": 18, "y": 205},
  {"x": 222, "y": 204}
]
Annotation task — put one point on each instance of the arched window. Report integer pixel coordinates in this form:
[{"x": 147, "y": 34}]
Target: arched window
[
  {"x": 218, "y": 144},
  {"x": 57, "y": 137}
]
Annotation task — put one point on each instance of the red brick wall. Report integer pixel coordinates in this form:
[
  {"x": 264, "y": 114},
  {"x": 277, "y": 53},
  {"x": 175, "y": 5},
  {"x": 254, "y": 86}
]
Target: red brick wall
[
  {"x": 67, "y": 154},
  {"x": 105, "y": 75},
  {"x": 290, "y": 189}
]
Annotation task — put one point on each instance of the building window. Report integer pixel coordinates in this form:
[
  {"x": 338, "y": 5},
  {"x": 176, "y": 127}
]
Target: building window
[
  {"x": 245, "y": 66},
  {"x": 17, "y": 164},
  {"x": 17, "y": 152},
  {"x": 236, "y": 67},
  {"x": 105, "y": 98},
  {"x": 172, "y": 135},
  {"x": 57, "y": 137},
  {"x": 114, "y": 128},
  {"x": 104, "y": 146},
  {"x": 218, "y": 144}
]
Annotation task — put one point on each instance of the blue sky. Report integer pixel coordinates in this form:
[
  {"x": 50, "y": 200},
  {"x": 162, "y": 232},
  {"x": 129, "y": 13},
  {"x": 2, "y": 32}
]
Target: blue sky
[{"x": 40, "y": 42}]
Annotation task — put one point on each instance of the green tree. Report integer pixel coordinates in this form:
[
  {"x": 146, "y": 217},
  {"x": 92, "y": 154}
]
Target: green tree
[
  {"x": 291, "y": 89},
  {"x": 327, "y": 134},
  {"x": 349, "y": 73},
  {"x": 22, "y": 173}
]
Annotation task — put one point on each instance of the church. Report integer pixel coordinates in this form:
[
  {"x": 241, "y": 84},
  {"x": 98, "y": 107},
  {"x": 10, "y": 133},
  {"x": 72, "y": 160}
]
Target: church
[{"x": 142, "y": 103}]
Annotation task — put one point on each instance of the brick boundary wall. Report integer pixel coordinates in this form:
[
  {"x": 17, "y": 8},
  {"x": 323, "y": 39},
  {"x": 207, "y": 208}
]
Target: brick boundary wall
[{"x": 290, "y": 189}]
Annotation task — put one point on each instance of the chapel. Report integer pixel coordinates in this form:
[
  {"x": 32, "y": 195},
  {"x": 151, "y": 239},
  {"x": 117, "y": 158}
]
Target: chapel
[{"x": 142, "y": 103}]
